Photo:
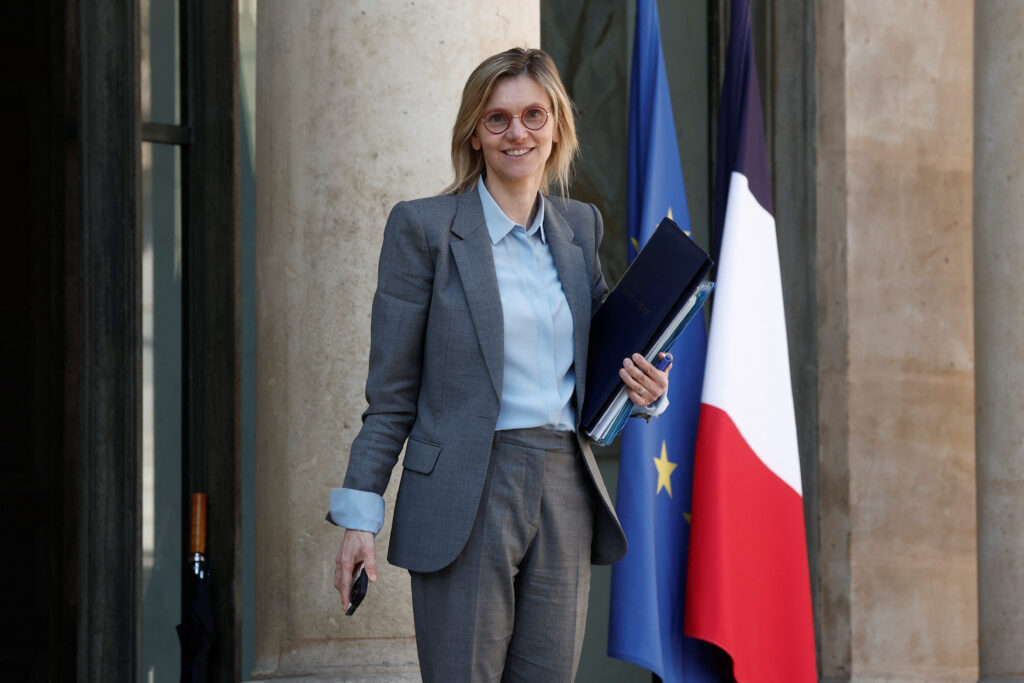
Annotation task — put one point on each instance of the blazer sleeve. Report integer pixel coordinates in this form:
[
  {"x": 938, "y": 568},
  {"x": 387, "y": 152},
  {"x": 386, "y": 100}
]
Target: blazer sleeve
[{"x": 401, "y": 303}]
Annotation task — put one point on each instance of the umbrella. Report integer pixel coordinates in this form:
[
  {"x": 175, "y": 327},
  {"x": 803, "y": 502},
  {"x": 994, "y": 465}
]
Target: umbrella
[{"x": 196, "y": 628}]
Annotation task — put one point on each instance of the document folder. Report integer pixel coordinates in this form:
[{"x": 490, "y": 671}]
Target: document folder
[{"x": 660, "y": 293}]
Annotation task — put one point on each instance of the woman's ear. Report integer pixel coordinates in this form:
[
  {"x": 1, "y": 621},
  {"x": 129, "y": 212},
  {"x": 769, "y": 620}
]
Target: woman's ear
[{"x": 475, "y": 141}]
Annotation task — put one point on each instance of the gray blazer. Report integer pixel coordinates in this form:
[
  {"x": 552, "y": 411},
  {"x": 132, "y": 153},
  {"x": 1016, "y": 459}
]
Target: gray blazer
[{"x": 436, "y": 363}]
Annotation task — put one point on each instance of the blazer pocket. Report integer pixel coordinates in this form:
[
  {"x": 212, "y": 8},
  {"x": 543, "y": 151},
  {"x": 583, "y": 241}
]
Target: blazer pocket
[{"x": 420, "y": 456}]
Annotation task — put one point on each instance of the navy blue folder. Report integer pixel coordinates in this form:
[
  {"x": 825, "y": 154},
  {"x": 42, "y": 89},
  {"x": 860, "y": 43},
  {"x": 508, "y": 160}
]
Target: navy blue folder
[{"x": 658, "y": 283}]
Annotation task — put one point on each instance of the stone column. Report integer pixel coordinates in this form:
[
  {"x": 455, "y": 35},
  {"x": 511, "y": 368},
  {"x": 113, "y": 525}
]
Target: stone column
[
  {"x": 355, "y": 105},
  {"x": 833, "y": 595},
  {"x": 896, "y": 355},
  {"x": 999, "y": 322}
]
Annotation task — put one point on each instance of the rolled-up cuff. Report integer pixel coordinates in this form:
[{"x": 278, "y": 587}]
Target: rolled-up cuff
[
  {"x": 653, "y": 410},
  {"x": 354, "y": 509}
]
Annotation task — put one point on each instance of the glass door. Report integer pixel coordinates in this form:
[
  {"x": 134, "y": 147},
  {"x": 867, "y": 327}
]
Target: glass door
[{"x": 161, "y": 408}]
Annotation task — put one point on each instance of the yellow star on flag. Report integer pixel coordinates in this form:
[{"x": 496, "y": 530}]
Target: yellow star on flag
[{"x": 665, "y": 468}]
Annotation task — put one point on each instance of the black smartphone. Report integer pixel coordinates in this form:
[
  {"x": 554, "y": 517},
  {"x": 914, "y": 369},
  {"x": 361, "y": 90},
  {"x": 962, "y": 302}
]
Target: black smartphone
[{"x": 360, "y": 582}]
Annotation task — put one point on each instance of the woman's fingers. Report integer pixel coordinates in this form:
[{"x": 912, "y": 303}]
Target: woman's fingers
[
  {"x": 356, "y": 546},
  {"x": 635, "y": 388},
  {"x": 644, "y": 383}
]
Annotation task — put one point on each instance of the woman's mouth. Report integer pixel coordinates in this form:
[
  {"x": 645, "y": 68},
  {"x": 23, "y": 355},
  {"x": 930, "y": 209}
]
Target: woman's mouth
[{"x": 516, "y": 152}]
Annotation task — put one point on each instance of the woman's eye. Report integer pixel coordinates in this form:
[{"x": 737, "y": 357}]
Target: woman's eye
[
  {"x": 497, "y": 118},
  {"x": 533, "y": 114}
]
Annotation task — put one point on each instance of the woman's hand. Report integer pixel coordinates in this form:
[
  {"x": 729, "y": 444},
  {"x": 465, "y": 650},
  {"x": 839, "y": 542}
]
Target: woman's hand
[
  {"x": 356, "y": 547},
  {"x": 644, "y": 383}
]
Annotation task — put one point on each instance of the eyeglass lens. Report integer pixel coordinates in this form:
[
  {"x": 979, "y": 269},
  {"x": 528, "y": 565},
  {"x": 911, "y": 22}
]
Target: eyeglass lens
[{"x": 498, "y": 121}]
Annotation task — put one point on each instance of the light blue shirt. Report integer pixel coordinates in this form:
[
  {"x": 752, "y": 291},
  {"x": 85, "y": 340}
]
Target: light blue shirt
[{"x": 539, "y": 376}]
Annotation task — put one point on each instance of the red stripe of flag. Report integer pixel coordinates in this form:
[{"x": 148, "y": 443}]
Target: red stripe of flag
[{"x": 748, "y": 589}]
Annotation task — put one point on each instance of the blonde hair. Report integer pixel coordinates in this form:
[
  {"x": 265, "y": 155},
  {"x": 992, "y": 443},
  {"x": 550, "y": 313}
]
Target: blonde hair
[{"x": 538, "y": 65}]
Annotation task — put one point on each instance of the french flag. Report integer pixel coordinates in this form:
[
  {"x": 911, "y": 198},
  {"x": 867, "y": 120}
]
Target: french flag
[{"x": 749, "y": 587}]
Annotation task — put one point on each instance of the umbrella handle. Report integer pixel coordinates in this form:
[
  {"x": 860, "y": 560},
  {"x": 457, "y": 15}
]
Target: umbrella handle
[
  {"x": 198, "y": 523},
  {"x": 198, "y": 535}
]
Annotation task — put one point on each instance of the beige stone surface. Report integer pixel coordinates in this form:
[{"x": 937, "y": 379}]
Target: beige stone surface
[
  {"x": 911, "y": 606},
  {"x": 999, "y": 321},
  {"x": 355, "y": 104},
  {"x": 896, "y": 340},
  {"x": 911, "y": 484}
]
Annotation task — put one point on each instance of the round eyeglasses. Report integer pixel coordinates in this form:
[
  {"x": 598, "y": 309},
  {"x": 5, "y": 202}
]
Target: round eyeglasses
[{"x": 497, "y": 121}]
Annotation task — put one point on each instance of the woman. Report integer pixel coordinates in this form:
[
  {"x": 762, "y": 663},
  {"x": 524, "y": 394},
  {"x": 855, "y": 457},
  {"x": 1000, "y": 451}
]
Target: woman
[{"x": 478, "y": 358}]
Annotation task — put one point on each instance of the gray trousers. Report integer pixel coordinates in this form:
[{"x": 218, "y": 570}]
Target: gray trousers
[{"x": 513, "y": 604}]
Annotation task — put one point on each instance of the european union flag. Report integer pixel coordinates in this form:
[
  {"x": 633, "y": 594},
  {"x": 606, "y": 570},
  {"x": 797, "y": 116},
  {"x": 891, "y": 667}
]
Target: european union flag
[{"x": 656, "y": 466}]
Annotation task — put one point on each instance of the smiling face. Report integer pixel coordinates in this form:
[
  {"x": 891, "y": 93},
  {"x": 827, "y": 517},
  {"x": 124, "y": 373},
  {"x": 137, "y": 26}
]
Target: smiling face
[{"x": 515, "y": 159}]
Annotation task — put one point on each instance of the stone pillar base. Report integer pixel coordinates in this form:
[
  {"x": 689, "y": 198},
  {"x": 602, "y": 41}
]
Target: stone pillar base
[
  {"x": 343, "y": 677},
  {"x": 351, "y": 659}
]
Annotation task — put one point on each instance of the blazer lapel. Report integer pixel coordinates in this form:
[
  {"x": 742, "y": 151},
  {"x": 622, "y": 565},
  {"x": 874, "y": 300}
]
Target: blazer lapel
[
  {"x": 475, "y": 261},
  {"x": 572, "y": 271}
]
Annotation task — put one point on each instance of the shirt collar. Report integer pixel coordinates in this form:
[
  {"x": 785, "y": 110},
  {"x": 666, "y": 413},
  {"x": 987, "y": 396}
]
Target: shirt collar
[{"x": 498, "y": 224}]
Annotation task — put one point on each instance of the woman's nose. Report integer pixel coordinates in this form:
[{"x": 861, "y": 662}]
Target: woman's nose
[{"x": 516, "y": 129}]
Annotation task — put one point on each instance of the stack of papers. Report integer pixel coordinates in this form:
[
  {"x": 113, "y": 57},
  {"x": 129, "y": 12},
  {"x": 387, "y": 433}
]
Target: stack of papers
[{"x": 612, "y": 419}]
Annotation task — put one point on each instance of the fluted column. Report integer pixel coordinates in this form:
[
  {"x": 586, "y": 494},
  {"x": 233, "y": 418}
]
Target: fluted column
[
  {"x": 999, "y": 322},
  {"x": 355, "y": 105}
]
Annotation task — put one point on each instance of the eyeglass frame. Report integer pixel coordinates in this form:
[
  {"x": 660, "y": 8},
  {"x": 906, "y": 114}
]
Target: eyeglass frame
[{"x": 483, "y": 119}]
